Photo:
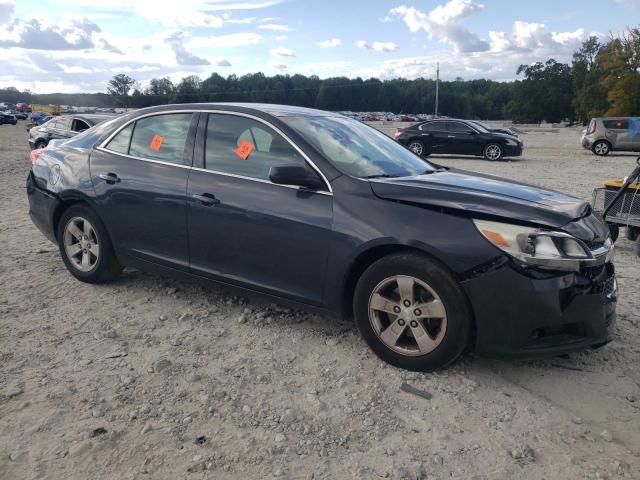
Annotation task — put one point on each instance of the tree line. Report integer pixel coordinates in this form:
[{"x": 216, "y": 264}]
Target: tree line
[{"x": 603, "y": 78}]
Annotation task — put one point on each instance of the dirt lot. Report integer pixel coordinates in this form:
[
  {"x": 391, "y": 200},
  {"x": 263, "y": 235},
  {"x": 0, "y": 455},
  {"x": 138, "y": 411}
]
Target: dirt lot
[{"x": 149, "y": 378}]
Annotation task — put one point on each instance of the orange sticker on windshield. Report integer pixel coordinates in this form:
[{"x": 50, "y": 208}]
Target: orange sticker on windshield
[
  {"x": 156, "y": 143},
  {"x": 244, "y": 149}
]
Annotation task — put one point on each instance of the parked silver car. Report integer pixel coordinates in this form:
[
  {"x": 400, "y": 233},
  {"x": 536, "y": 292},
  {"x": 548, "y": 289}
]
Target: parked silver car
[{"x": 606, "y": 134}]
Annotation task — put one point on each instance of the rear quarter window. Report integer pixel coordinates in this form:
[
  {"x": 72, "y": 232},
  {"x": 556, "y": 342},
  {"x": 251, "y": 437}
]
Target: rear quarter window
[
  {"x": 161, "y": 137},
  {"x": 616, "y": 124}
]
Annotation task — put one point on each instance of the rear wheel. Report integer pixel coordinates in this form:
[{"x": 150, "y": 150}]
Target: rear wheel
[
  {"x": 411, "y": 312},
  {"x": 85, "y": 246},
  {"x": 601, "y": 148},
  {"x": 633, "y": 233},
  {"x": 493, "y": 152},
  {"x": 417, "y": 147},
  {"x": 40, "y": 144}
]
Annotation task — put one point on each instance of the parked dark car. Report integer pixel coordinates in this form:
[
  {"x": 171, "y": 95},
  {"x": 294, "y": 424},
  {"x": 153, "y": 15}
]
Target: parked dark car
[
  {"x": 6, "y": 118},
  {"x": 35, "y": 116},
  {"x": 21, "y": 115},
  {"x": 458, "y": 137},
  {"x": 322, "y": 212},
  {"x": 63, "y": 127},
  {"x": 504, "y": 130}
]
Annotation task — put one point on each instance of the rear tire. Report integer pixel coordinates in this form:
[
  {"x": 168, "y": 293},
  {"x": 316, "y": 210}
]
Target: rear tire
[
  {"x": 40, "y": 144},
  {"x": 493, "y": 152},
  {"x": 85, "y": 246},
  {"x": 633, "y": 233},
  {"x": 403, "y": 297},
  {"x": 417, "y": 147},
  {"x": 601, "y": 148}
]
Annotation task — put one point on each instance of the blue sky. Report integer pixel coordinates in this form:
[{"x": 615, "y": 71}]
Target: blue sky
[{"x": 70, "y": 46}]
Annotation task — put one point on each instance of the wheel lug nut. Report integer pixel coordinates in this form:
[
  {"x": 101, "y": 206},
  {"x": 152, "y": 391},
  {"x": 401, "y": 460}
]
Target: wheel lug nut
[
  {"x": 396, "y": 309},
  {"x": 401, "y": 322},
  {"x": 413, "y": 324},
  {"x": 417, "y": 312},
  {"x": 407, "y": 303}
]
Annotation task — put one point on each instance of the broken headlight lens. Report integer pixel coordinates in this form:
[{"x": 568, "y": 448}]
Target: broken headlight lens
[{"x": 539, "y": 247}]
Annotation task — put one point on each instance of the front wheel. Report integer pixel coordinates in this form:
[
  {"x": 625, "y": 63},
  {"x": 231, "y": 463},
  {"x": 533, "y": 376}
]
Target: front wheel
[
  {"x": 493, "y": 152},
  {"x": 411, "y": 312},
  {"x": 85, "y": 246}
]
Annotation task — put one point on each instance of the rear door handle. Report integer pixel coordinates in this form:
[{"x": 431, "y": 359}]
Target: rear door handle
[
  {"x": 109, "y": 177},
  {"x": 451, "y": 136},
  {"x": 206, "y": 199}
]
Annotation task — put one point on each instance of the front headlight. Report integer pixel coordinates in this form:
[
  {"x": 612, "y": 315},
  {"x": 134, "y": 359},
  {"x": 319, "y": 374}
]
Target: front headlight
[{"x": 542, "y": 248}]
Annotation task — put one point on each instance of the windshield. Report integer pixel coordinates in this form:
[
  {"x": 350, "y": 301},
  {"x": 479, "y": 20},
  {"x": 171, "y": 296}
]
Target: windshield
[
  {"x": 358, "y": 150},
  {"x": 481, "y": 126}
]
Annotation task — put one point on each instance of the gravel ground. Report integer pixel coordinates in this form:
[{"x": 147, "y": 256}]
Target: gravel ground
[{"x": 150, "y": 378}]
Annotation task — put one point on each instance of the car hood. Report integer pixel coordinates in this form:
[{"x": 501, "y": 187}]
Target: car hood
[{"x": 484, "y": 195}]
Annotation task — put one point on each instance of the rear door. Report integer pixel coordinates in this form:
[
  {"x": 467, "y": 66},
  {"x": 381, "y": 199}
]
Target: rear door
[
  {"x": 140, "y": 179},
  {"x": 435, "y": 135},
  {"x": 245, "y": 230},
  {"x": 617, "y": 131}
]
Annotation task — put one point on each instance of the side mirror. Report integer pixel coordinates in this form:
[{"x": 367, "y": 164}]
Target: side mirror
[{"x": 295, "y": 175}]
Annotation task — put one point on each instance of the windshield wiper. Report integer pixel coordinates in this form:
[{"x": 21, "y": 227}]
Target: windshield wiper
[{"x": 381, "y": 175}]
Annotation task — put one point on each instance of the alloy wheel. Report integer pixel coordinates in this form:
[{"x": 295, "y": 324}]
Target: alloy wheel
[
  {"x": 493, "y": 152},
  {"x": 81, "y": 244},
  {"x": 416, "y": 147},
  {"x": 407, "y": 315},
  {"x": 601, "y": 148}
]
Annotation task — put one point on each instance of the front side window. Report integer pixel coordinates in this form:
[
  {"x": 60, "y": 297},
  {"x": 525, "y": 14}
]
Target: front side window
[
  {"x": 357, "y": 149},
  {"x": 79, "y": 125},
  {"x": 459, "y": 127},
  {"x": 243, "y": 146}
]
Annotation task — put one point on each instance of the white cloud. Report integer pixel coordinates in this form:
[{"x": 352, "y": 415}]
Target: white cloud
[
  {"x": 6, "y": 10},
  {"x": 276, "y": 27},
  {"x": 226, "y": 41},
  {"x": 444, "y": 24},
  {"x": 275, "y": 65},
  {"x": 377, "y": 46},
  {"x": 280, "y": 38},
  {"x": 282, "y": 52},
  {"x": 176, "y": 41},
  {"x": 333, "y": 42}
]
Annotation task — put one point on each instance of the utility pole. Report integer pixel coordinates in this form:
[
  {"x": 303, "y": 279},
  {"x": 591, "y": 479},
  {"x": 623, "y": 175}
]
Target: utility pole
[{"x": 437, "y": 85}]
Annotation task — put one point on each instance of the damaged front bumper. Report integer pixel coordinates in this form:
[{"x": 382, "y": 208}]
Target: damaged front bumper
[{"x": 527, "y": 314}]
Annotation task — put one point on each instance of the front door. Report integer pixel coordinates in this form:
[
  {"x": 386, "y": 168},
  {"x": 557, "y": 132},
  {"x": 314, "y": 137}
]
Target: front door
[
  {"x": 245, "y": 230},
  {"x": 140, "y": 180}
]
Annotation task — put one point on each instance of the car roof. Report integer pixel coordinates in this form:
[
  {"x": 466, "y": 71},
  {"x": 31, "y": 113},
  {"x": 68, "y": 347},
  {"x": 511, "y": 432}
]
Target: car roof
[{"x": 246, "y": 107}]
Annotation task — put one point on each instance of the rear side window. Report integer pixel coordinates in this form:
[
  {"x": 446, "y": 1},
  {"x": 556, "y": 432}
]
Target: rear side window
[
  {"x": 161, "y": 137},
  {"x": 79, "y": 125},
  {"x": 120, "y": 143},
  {"x": 616, "y": 124},
  {"x": 246, "y": 147}
]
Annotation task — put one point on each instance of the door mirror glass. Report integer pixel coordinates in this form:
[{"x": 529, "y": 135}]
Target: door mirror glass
[{"x": 295, "y": 175}]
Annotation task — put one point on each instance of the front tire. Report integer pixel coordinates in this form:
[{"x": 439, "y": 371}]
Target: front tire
[
  {"x": 493, "y": 152},
  {"x": 85, "y": 246},
  {"x": 411, "y": 312},
  {"x": 601, "y": 148}
]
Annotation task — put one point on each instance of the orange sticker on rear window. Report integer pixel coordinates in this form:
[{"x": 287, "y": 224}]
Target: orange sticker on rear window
[
  {"x": 156, "y": 143},
  {"x": 244, "y": 149}
]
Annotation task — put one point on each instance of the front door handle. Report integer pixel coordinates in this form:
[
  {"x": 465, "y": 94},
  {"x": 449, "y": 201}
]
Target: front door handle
[
  {"x": 206, "y": 199},
  {"x": 451, "y": 136},
  {"x": 109, "y": 177}
]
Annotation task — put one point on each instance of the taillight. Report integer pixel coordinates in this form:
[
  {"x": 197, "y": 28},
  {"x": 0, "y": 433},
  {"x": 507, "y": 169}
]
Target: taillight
[
  {"x": 33, "y": 157},
  {"x": 399, "y": 132},
  {"x": 592, "y": 127}
]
